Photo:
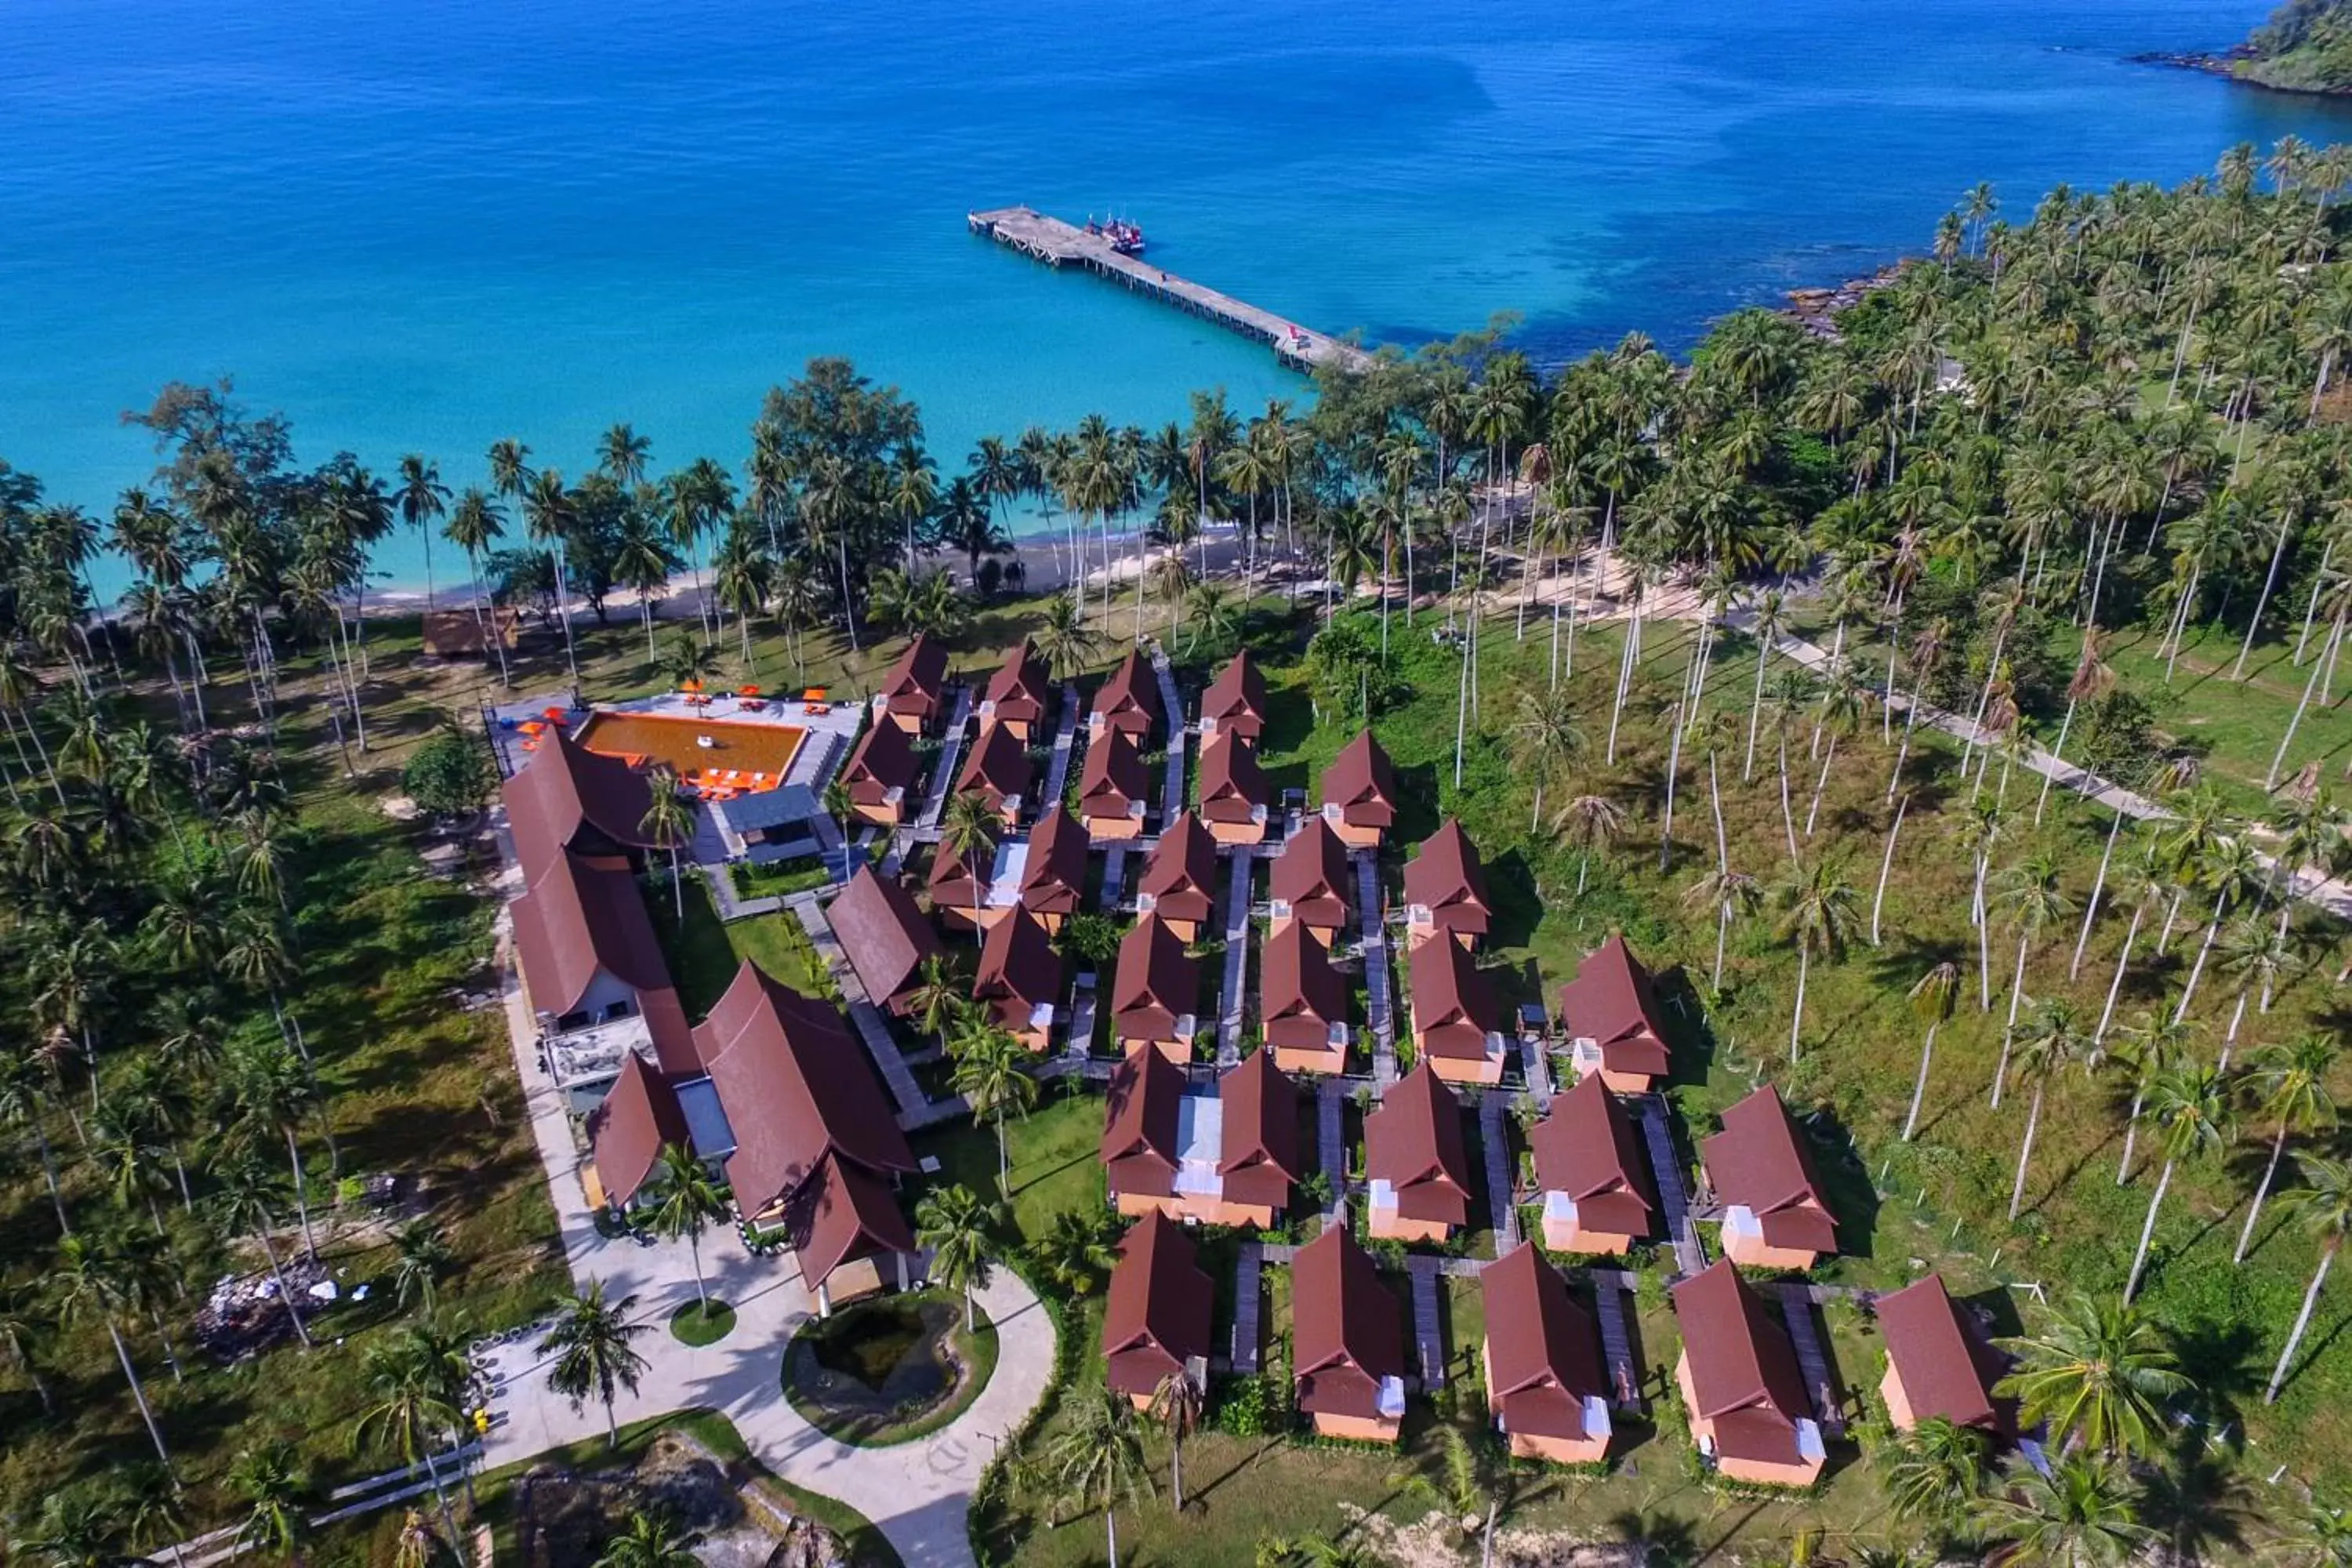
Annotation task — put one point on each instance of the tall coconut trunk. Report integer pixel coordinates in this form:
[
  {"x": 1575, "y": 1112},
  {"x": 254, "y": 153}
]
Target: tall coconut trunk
[
  {"x": 2147, "y": 1230},
  {"x": 2302, "y": 1321},
  {"x": 1885, "y": 865},
  {"x": 2091, "y": 905},
  {"x": 1919, "y": 1089},
  {"x": 2255, "y": 1211},
  {"x": 2026, "y": 1154}
]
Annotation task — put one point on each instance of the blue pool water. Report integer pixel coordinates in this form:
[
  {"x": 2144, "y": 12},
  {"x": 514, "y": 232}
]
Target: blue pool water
[{"x": 422, "y": 225}]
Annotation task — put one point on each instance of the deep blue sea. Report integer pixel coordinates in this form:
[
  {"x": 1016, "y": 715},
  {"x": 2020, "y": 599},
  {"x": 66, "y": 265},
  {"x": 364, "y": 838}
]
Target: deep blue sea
[{"x": 422, "y": 225}]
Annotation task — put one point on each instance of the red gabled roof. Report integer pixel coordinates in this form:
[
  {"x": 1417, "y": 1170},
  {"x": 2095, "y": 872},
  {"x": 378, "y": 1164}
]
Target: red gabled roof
[
  {"x": 842, "y": 1213},
  {"x": 796, "y": 1087},
  {"x": 1300, "y": 995},
  {"x": 1609, "y": 1001},
  {"x": 1020, "y": 687},
  {"x": 1346, "y": 1328},
  {"x": 1585, "y": 1147},
  {"x": 1447, "y": 879},
  {"x": 1946, "y": 1368},
  {"x": 1414, "y": 1143},
  {"x": 1142, "y": 1118},
  {"x": 884, "y": 760},
  {"x": 569, "y": 798},
  {"x": 1053, "y": 876},
  {"x": 1130, "y": 696},
  {"x": 1236, "y": 698},
  {"x": 885, "y": 936},
  {"x": 1232, "y": 789},
  {"x": 1361, "y": 783},
  {"x": 1310, "y": 875},
  {"x": 961, "y": 881},
  {"x": 1113, "y": 777},
  {"x": 581, "y": 919},
  {"x": 916, "y": 682},
  {"x": 1543, "y": 1350},
  {"x": 1743, "y": 1371},
  {"x": 1159, "y": 1310},
  {"x": 1759, "y": 1162},
  {"x": 997, "y": 768},
  {"x": 1453, "y": 1009},
  {"x": 640, "y": 1116},
  {"x": 1157, "y": 982},
  {"x": 1019, "y": 970},
  {"x": 1259, "y": 1124},
  {"x": 1181, "y": 872}
]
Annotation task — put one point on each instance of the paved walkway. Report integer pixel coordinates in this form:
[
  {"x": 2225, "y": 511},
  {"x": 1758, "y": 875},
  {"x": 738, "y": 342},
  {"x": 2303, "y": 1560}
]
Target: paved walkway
[
  {"x": 943, "y": 773},
  {"x": 1241, "y": 871},
  {"x": 1797, "y": 1308},
  {"x": 1429, "y": 1340},
  {"x": 1379, "y": 982},
  {"x": 1495, "y": 1139},
  {"x": 1330, "y": 1143},
  {"x": 1171, "y": 703},
  {"x": 1247, "y": 1296},
  {"x": 1690, "y": 1256},
  {"x": 1065, "y": 737}
]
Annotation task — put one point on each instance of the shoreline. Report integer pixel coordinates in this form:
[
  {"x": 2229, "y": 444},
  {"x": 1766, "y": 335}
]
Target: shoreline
[{"x": 2227, "y": 64}]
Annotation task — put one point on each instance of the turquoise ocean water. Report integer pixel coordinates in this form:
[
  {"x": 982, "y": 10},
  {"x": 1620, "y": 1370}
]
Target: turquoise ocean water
[{"x": 421, "y": 225}]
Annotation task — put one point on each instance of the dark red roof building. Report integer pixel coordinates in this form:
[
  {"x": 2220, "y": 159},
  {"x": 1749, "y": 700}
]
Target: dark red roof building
[
  {"x": 1612, "y": 1020},
  {"x": 1235, "y": 703},
  {"x": 1128, "y": 698},
  {"x": 1415, "y": 1160},
  {"x": 885, "y": 936},
  {"x": 1598, "y": 1195},
  {"x": 1348, "y": 1341},
  {"x": 1311, "y": 880},
  {"x": 1776, "y": 1211},
  {"x": 1157, "y": 1314},
  {"x": 914, "y": 691},
  {"x": 1445, "y": 887},
  {"x": 1545, "y": 1386}
]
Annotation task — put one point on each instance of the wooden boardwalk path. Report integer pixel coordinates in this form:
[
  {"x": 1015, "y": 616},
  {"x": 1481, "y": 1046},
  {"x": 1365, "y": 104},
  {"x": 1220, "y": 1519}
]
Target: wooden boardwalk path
[
  {"x": 935, "y": 799},
  {"x": 1058, "y": 244},
  {"x": 1428, "y": 1335},
  {"x": 1242, "y": 872},
  {"x": 1247, "y": 1295},
  {"x": 1172, "y": 786},
  {"x": 1378, "y": 980},
  {"x": 1667, "y": 1167},
  {"x": 1616, "y": 1344},
  {"x": 1330, "y": 1143},
  {"x": 1797, "y": 1308},
  {"x": 1065, "y": 736},
  {"x": 1114, "y": 876},
  {"x": 1494, "y": 1136},
  {"x": 1536, "y": 1062},
  {"x": 1080, "y": 1040}
]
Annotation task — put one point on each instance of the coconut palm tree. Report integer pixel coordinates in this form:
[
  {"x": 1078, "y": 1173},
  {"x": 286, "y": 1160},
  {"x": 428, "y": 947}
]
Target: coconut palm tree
[
  {"x": 277, "y": 1494},
  {"x": 2099, "y": 1373},
  {"x": 1546, "y": 738},
  {"x": 1932, "y": 997},
  {"x": 1592, "y": 823},
  {"x": 1732, "y": 894},
  {"x": 967, "y": 830},
  {"x": 589, "y": 1344},
  {"x": 1177, "y": 1403},
  {"x": 422, "y": 500},
  {"x": 1064, "y": 639},
  {"x": 1097, "y": 1457},
  {"x": 992, "y": 1074},
  {"x": 421, "y": 1255},
  {"x": 668, "y": 825},
  {"x": 1817, "y": 915},
  {"x": 91, "y": 1275},
  {"x": 2029, "y": 891},
  {"x": 2324, "y": 1205},
  {"x": 475, "y": 526},
  {"x": 959, "y": 1232},
  {"x": 2084, "y": 1513},
  {"x": 2050, "y": 1045},
  {"x": 2190, "y": 1108},
  {"x": 686, "y": 1203},
  {"x": 411, "y": 1408},
  {"x": 1936, "y": 1472},
  {"x": 651, "y": 1538},
  {"x": 249, "y": 1199},
  {"x": 2290, "y": 1088},
  {"x": 85, "y": 1525}
]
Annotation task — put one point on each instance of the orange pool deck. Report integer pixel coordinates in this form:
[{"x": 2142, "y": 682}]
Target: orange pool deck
[{"x": 746, "y": 748}]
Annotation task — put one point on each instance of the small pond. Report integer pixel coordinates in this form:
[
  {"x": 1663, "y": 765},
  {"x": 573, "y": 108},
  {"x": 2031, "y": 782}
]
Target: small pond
[{"x": 884, "y": 1361}]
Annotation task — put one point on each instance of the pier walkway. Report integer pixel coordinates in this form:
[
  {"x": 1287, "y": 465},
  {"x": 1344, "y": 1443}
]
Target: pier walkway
[
  {"x": 1243, "y": 864},
  {"x": 1179, "y": 734},
  {"x": 1065, "y": 739},
  {"x": 1373, "y": 922},
  {"x": 1058, "y": 244},
  {"x": 1667, "y": 1165}
]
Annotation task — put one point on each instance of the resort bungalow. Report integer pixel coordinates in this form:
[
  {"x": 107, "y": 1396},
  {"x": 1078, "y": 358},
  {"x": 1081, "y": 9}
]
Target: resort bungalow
[
  {"x": 913, "y": 695},
  {"x": 1937, "y": 1364},
  {"x": 1310, "y": 882},
  {"x": 1596, "y": 1195},
  {"x": 1347, "y": 1340},
  {"x": 1415, "y": 1162},
  {"x": 1302, "y": 1003},
  {"x": 881, "y": 774},
  {"x": 1155, "y": 992},
  {"x": 569, "y": 798},
  {"x": 1445, "y": 888},
  {"x": 594, "y": 977},
  {"x": 1147, "y": 1132},
  {"x": 470, "y": 634},
  {"x": 1128, "y": 699},
  {"x": 817, "y": 1147},
  {"x": 998, "y": 771},
  {"x": 1457, "y": 1025},
  {"x": 885, "y": 937},
  {"x": 1741, "y": 1386},
  {"x": 1020, "y": 978},
  {"x": 1545, "y": 1386},
  {"x": 1775, "y": 1213},
  {"x": 1612, "y": 1020},
  {"x": 1054, "y": 870},
  {"x": 959, "y": 886},
  {"x": 1114, "y": 787},
  {"x": 1359, "y": 794},
  {"x": 1179, "y": 877},
  {"x": 1017, "y": 694},
  {"x": 1158, "y": 1313},
  {"x": 1235, "y": 703},
  {"x": 640, "y": 1117},
  {"x": 1257, "y": 1159},
  {"x": 1236, "y": 799},
  {"x": 1226, "y": 1155}
]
